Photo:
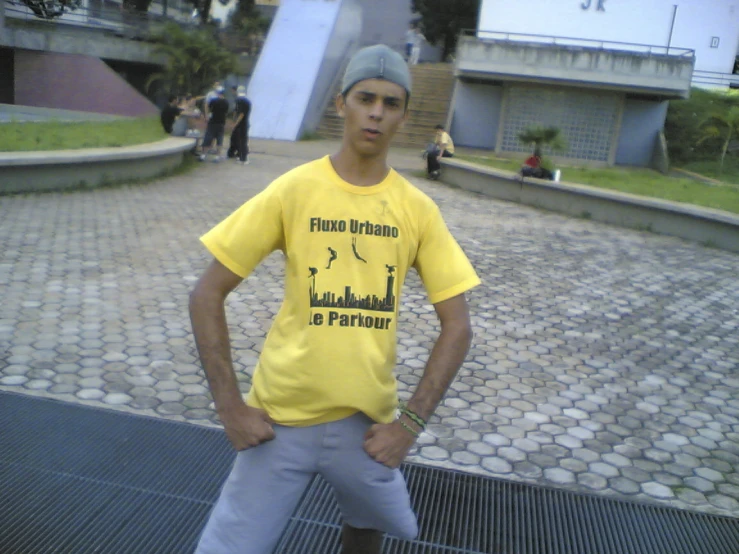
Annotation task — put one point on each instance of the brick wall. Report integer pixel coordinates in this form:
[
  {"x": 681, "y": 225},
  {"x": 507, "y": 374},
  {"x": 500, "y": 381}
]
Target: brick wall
[{"x": 75, "y": 82}]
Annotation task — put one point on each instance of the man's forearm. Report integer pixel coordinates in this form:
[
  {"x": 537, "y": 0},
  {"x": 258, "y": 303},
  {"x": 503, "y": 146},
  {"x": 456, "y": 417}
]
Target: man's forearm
[
  {"x": 208, "y": 317},
  {"x": 444, "y": 362}
]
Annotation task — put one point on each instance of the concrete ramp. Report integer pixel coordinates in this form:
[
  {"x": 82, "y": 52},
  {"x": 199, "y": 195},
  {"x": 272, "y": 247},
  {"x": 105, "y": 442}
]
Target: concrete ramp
[{"x": 306, "y": 48}]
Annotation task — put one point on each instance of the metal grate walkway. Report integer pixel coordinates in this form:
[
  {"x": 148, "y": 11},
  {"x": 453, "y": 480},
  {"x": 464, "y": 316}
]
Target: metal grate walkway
[{"x": 77, "y": 480}]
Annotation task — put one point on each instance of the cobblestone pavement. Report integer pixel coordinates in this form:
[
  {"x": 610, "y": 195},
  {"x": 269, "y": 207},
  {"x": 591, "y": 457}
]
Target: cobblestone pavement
[{"x": 604, "y": 360}]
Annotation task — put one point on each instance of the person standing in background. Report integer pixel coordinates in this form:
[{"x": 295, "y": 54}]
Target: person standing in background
[
  {"x": 418, "y": 40},
  {"x": 239, "y": 144},
  {"x": 410, "y": 38},
  {"x": 218, "y": 110},
  {"x": 170, "y": 113},
  {"x": 209, "y": 97}
]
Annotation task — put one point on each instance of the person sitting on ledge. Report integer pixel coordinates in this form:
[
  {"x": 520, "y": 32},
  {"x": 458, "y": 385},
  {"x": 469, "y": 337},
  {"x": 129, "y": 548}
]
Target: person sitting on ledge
[
  {"x": 532, "y": 167},
  {"x": 442, "y": 147}
]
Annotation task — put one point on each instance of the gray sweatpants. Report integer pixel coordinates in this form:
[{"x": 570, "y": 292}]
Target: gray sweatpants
[{"x": 267, "y": 482}]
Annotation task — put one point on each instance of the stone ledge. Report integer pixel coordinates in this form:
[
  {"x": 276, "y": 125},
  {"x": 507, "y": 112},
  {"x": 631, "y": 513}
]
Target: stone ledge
[
  {"x": 708, "y": 226},
  {"x": 22, "y": 172}
]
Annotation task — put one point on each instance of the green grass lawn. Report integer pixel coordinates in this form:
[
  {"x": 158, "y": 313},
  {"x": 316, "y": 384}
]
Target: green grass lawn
[
  {"x": 642, "y": 182},
  {"x": 58, "y": 135},
  {"x": 729, "y": 173}
]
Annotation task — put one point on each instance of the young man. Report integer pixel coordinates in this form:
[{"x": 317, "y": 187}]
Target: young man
[
  {"x": 324, "y": 396},
  {"x": 218, "y": 109},
  {"x": 418, "y": 40},
  {"x": 209, "y": 97},
  {"x": 410, "y": 38},
  {"x": 444, "y": 149},
  {"x": 239, "y": 143},
  {"x": 170, "y": 113}
]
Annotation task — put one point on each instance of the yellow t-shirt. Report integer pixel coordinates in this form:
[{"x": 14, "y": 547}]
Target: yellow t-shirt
[
  {"x": 332, "y": 347},
  {"x": 445, "y": 141}
]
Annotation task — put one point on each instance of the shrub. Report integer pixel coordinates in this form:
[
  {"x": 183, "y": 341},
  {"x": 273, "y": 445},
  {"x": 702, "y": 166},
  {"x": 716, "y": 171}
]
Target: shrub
[
  {"x": 538, "y": 137},
  {"x": 684, "y": 127}
]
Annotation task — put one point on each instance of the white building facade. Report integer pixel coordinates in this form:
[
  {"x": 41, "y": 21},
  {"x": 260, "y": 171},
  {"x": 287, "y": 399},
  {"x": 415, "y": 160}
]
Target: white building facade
[
  {"x": 708, "y": 27},
  {"x": 602, "y": 71}
]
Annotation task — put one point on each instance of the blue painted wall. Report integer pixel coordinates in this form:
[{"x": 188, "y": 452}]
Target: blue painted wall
[
  {"x": 476, "y": 115},
  {"x": 642, "y": 121}
]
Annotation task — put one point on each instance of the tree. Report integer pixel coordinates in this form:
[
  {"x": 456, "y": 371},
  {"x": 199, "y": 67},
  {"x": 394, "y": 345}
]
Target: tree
[
  {"x": 686, "y": 139},
  {"x": 247, "y": 28},
  {"x": 49, "y": 9},
  {"x": 539, "y": 137},
  {"x": 443, "y": 20},
  {"x": 195, "y": 59},
  {"x": 137, "y": 6},
  {"x": 723, "y": 126},
  {"x": 246, "y": 17},
  {"x": 203, "y": 9}
]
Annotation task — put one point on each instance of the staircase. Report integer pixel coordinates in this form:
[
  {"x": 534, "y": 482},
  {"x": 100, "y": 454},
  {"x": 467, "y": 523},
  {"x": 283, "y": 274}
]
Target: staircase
[{"x": 432, "y": 93}]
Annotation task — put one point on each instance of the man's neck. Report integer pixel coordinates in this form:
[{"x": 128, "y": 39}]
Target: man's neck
[{"x": 359, "y": 170}]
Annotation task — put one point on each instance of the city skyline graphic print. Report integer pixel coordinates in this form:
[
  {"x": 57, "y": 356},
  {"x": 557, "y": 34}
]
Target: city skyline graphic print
[
  {"x": 351, "y": 298},
  {"x": 348, "y": 305}
]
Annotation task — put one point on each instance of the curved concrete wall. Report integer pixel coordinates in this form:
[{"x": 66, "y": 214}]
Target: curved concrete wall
[
  {"x": 22, "y": 172},
  {"x": 710, "y": 227}
]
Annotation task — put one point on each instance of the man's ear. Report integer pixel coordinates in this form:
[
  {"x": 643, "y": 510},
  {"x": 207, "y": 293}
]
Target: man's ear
[{"x": 340, "y": 104}]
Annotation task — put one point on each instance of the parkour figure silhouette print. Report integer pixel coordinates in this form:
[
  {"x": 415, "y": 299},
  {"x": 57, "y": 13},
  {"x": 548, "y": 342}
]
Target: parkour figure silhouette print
[
  {"x": 333, "y": 255},
  {"x": 354, "y": 249},
  {"x": 384, "y": 302}
]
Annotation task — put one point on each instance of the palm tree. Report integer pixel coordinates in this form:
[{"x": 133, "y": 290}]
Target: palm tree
[
  {"x": 195, "y": 59},
  {"x": 550, "y": 137},
  {"x": 723, "y": 126}
]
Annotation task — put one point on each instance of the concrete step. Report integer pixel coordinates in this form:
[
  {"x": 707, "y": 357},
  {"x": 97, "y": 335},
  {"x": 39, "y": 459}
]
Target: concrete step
[
  {"x": 413, "y": 138},
  {"x": 427, "y": 128}
]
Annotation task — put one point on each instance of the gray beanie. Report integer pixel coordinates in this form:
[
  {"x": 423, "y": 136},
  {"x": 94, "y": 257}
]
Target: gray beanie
[{"x": 377, "y": 62}]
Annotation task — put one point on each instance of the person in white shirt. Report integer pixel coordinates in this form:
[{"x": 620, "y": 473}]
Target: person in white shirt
[
  {"x": 418, "y": 41},
  {"x": 410, "y": 38}
]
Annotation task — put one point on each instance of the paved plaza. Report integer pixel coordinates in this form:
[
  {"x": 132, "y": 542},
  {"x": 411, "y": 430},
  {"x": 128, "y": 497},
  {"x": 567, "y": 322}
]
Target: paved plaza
[{"x": 604, "y": 360}]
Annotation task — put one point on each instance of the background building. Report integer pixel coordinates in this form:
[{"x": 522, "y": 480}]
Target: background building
[
  {"x": 709, "y": 27},
  {"x": 601, "y": 71},
  {"x": 56, "y": 63}
]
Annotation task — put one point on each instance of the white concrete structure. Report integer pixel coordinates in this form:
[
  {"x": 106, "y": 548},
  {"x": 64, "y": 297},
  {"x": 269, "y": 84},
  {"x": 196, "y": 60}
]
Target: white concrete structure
[
  {"x": 383, "y": 21},
  {"x": 306, "y": 48},
  {"x": 709, "y": 27},
  {"x": 601, "y": 71}
]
